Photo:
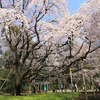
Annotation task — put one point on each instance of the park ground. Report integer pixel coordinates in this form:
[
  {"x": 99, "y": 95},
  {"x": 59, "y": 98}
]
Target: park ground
[
  {"x": 53, "y": 96},
  {"x": 43, "y": 96},
  {"x": 90, "y": 96}
]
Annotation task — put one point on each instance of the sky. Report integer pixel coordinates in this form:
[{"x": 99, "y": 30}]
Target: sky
[{"x": 74, "y": 5}]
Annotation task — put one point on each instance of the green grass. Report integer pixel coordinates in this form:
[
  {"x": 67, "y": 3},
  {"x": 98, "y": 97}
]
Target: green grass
[{"x": 42, "y": 96}]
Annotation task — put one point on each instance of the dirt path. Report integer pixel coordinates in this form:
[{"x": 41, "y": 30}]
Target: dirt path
[{"x": 90, "y": 96}]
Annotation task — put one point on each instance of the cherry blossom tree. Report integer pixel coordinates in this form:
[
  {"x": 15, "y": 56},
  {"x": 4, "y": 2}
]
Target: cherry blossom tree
[
  {"x": 42, "y": 30},
  {"x": 74, "y": 37},
  {"x": 21, "y": 35}
]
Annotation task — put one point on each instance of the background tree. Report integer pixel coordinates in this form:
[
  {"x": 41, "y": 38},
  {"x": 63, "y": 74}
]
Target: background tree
[{"x": 78, "y": 28}]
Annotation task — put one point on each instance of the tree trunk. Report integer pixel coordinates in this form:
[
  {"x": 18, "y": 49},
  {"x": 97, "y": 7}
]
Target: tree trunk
[
  {"x": 16, "y": 87},
  {"x": 71, "y": 83},
  {"x": 16, "y": 90},
  {"x": 92, "y": 83},
  {"x": 71, "y": 80},
  {"x": 84, "y": 81}
]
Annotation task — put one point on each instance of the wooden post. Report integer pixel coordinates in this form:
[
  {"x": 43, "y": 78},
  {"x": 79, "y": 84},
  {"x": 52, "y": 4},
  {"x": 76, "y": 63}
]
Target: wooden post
[
  {"x": 41, "y": 87},
  {"x": 25, "y": 87},
  {"x": 51, "y": 87},
  {"x": 84, "y": 81},
  {"x": 47, "y": 86},
  {"x": 29, "y": 88},
  {"x": 38, "y": 87}
]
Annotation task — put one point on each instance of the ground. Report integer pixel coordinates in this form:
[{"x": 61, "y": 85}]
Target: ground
[
  {"x": 90, "y": 96},
  {"x": 43, "y": 96},
  {"x": 53, "y": 96}
]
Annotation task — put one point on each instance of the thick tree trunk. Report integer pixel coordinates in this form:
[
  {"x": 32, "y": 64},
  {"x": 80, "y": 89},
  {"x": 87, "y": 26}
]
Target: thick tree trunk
[
  {"x": 16, "y": 87},
  {"x": 16, "y": 90}
]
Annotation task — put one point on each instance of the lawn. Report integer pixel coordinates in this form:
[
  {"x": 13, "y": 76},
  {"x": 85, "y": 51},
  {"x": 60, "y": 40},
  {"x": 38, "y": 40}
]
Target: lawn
[{"x": 42, "y": 96}]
